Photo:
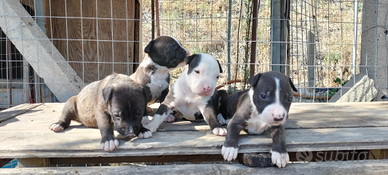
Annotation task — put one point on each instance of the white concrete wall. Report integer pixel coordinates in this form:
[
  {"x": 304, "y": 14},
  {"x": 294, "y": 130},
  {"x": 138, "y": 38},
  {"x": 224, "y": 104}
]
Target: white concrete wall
[{"x": 374, "y": 44}]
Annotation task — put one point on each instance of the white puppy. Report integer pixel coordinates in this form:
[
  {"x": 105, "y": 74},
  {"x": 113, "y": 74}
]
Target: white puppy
[{"x": 191, "y": 94}]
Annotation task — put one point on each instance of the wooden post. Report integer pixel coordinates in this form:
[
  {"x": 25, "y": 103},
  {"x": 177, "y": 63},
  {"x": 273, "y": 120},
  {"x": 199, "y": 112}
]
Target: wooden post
[
  {"x": 254, "y": 38},
  {"x": 311, "y": 61},
  {"x": 157, "y": 18},
  {"x": 280, "y": 10}
]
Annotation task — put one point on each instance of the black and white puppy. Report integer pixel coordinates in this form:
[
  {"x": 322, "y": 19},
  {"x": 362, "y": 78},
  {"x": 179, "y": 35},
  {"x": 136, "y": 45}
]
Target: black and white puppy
[
  {"x": 113, "y": 103},
  {"x": 264, "y": 106},
  {"x": 191, "y": 94},
  {"x": 163, "y": 54}
]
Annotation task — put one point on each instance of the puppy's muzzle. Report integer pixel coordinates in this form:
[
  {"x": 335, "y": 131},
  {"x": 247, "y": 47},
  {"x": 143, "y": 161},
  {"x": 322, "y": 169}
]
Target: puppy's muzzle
[
  {"x": 278, "y": 118},
  {"x": 129, "y": 132},
  {"x": 207, "y": 88}
]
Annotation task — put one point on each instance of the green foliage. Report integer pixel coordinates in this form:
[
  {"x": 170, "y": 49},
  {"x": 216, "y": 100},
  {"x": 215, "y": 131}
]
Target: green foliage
[
  {"x": 340, "y": 81},
  {"x": 332, "y": 92},
  {"x": 332, "y": 58},
  {"x": 197, "y": 50}
]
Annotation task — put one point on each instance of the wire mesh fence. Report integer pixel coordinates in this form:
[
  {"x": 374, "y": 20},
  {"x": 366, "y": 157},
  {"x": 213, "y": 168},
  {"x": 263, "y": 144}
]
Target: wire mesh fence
[{"x": 95, "y": 38}]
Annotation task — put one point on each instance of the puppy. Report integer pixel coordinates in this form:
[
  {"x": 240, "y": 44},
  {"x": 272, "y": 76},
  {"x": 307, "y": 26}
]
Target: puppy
[
  {"x": 191, "y": 94},
  {"x": 164, "y": 54},
  {"x": 264, "y": 106},
  {"x": 115, "y": 102}
]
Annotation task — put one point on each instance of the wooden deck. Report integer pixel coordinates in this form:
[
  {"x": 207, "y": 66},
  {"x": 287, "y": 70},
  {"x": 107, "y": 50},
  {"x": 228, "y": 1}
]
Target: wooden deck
[{"x": 315, "y": 127}]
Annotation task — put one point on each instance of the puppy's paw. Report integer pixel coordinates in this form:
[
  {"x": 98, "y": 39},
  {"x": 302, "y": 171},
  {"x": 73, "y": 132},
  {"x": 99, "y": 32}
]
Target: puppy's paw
[
  {"x": 229, "y": 153},
  {"x": 219, "y": 131},
  {"x": 145, "y": 120},
  {"x": 280, "y": 159},
  {"x": 56, "y": 127},
  {"x": 145, "y": 135},
  {"x": 151, "y": 127},
  {"x": 109, "y": 145},
  {"x": 221, "y": 119},
  {"x": 170, "y": 118}
]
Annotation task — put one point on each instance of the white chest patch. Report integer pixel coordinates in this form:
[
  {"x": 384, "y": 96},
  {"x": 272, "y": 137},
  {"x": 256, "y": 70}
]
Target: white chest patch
[
  {"x": 186, "y": 102},
  {"x": 158, "y": 78},
  {"x": 158, "y": 84},
  {"x": 255, "y": 125}
]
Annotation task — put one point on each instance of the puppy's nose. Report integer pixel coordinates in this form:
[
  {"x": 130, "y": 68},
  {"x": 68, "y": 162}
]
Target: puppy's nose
[
  {"x": 207, "y": 88},
  {"x": 278, "y": 118}
]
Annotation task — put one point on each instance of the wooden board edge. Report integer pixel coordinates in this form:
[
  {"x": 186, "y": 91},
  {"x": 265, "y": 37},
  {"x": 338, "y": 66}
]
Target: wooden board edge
[
  {"x": 17, "y": 110},
  {"x": 344, "y": 167}
]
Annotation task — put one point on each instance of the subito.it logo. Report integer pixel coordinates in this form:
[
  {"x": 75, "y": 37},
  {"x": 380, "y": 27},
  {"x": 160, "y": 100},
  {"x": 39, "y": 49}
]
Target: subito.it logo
[{"x": 304, "y": 154}]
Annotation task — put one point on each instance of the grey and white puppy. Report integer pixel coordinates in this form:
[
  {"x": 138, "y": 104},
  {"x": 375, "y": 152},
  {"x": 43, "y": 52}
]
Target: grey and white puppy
[
  {"x": 113, "y": 103},
  {"x": 264, "y": 106}
]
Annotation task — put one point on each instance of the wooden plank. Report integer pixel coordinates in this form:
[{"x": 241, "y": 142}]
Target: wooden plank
[
  {"x": 318, "y": 168},
  {"x": 302, "y": 115},
  {"x": 314, "y": 115},
  {"x": 160, "y": 159},
  {"x": 16, "y": 110},
  {"x": 39, "y": 51},
  {"x": 36, "y": 140},
  {"x": 336, "y": 115}
]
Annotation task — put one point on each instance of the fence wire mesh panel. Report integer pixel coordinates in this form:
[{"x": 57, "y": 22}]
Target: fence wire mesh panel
[
  {"x": 51, "y": 48},
  {"x": 220, "y": 28},
  {"x": 323, "y": 37}
]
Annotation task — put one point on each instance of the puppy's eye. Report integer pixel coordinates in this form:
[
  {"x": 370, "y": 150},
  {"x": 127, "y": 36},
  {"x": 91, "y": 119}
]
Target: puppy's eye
[
  {"x": 218, "y": 77},
  {"x": 117, "y": 116},
  {"x": 196, "y": 71},
  {"x": 290, "y": 98},
  {"x": 263, "y": 96},
  {"x": 139, "y": 112}
]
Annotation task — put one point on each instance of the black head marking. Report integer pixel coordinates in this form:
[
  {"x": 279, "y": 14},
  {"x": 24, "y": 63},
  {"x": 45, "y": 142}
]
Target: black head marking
[
  {"x": 149, "y": 47},
  {"x": 253, "y": 80},
  {"x": 193, "y": 61},
  {"x": 190, "y": 58},
  {"x": 166, "y": 51}
]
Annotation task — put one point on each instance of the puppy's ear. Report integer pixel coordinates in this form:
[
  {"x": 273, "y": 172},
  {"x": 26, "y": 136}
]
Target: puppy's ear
[
  {"x": 219, "y": 65},
  {"x": 190, "y": 58},
  {"x": 149, "y": 47},
  {"x": 293, "y": 86},
  {"x": 107, "y": 93},
  {"x": 253, "y": 80}
]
